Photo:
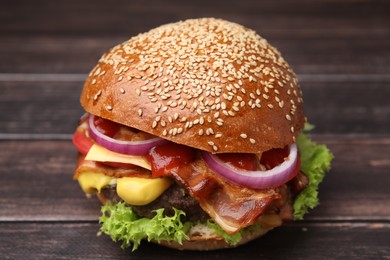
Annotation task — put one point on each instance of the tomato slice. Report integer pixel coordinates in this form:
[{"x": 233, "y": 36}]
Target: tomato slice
[
  {"x": 168, "y": 156},
  {"x": 82, "y": 142}
]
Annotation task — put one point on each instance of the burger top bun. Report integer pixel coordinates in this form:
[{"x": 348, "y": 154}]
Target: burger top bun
[{"x": 206, "y": 83}]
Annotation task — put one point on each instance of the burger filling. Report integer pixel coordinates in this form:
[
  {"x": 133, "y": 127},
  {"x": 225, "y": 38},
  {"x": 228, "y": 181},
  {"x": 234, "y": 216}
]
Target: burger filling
[{"x": 177, "y": 183}]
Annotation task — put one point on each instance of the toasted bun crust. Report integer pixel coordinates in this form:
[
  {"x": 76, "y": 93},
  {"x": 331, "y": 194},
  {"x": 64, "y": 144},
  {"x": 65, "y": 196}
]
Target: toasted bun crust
[
  {"x": 206, "y": 83},
  {"x": 214, "y": 242}
]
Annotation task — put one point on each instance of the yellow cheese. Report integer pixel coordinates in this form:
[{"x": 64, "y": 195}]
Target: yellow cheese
[
  {"x": 141, "y": 191},
  {"x": 101, "y": 154},
  {"x": 91, "y": 182}
]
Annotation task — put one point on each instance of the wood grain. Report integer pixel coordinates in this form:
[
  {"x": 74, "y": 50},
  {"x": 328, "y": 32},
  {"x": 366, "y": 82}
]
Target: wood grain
[
  {"x": 120, "y": 16},
  {"x": 294, "y": 241},
  {"x": 306, "y": 54},
  {"x": 333, "y": 37}
]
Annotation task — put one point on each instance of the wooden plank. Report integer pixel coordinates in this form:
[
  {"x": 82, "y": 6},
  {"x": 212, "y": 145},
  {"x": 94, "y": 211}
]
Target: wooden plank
[
  {"x": 314, "y": 37},
  {"x": 39, "y": 107},
  {"x": 37, "y": 183},
  {"x": 335, "y": 107},
  {"x": 294, "y": 241},
  {"x": 36, "y": 176},
  {"x": 286, "y": 16},
  {"x": 306, "y": 54}
]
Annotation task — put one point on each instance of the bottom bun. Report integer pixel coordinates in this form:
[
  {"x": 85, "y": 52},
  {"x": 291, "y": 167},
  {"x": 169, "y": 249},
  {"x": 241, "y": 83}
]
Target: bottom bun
[{"x": 213, "y": 242}]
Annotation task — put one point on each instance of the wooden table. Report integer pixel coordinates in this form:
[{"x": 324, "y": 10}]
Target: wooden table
[{"x": 339, "y": 49}]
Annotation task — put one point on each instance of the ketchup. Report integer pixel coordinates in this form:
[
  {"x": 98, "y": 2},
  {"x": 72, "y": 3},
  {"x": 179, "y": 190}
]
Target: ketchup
[
  {"x": 106, "y": 127},
  {"x": 244, "y": 161},
  {"x": 168, "y": 156},
  {"x": 274, "y": 157}
]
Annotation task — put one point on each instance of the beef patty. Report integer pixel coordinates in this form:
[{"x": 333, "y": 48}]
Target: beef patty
[{"x": 174, "y": 197}]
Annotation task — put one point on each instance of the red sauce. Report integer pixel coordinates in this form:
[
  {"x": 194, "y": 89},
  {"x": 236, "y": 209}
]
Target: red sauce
[
  {"x": 274, "y": 157},
  {"x": 105, "y": 126},
  {"x": 165, "y": 157},
  {"x": 243, "y": 161}
]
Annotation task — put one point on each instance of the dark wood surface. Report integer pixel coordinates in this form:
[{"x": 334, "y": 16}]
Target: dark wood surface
[{"x": 339, "y": 49}]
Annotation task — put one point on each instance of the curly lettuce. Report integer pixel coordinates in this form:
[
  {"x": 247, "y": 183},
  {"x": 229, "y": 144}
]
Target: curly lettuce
[
  {"x": 315, "y": 162},
  {"x": 123, "y": 224}
]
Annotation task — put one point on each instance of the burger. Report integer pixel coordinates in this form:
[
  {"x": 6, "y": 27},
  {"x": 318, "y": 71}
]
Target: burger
[{"x": 193, "y": 138}]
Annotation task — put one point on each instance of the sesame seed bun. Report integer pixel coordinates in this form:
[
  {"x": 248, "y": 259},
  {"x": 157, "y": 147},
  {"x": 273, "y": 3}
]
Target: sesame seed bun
[{"x": 205, "y": 83}]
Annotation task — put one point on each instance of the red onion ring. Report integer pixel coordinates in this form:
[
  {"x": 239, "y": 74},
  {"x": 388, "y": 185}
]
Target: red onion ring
[
  {"x": 120, "y": 146},
  {"x": 255, "y": 179}
]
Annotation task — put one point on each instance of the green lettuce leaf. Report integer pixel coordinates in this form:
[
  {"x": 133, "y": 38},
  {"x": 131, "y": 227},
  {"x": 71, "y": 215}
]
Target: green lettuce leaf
[
  {"x": 231, "y": 239},
  {"x": 122, "y": 224},
  {"x": 315, "y": 162}
]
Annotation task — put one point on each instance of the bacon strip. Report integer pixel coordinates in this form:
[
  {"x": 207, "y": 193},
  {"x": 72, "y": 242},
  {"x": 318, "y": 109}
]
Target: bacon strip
[
  {"x": 233, "y": 207},
  {"x": 96, "y": 167}
]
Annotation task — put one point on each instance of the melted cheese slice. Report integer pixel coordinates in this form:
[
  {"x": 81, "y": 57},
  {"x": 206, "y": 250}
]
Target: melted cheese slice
[
  {"x": 141, "y": 191},
  {"x": 100, "y": 154},
  {"x": 133, "y": 190},
  {"x": 91, "y": 182}
]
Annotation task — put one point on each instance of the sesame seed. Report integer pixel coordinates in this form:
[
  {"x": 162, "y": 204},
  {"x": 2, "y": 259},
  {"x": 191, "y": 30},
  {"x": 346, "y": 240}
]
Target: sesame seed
[
  {"x": 253, "y": 141},
  {"x": 109, "y": 108},
  {"x": 193, "y": 73},
  {"x": 244, "y": 136}
]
